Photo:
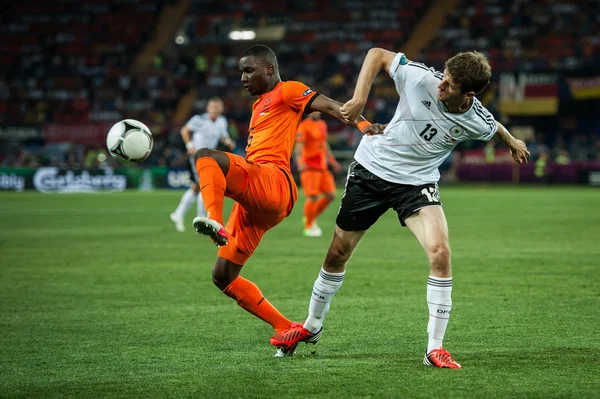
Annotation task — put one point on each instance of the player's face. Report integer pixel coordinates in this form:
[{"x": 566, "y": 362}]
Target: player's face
[
  {"x": 214, "y": 108},
  {"x": 254, "y": 76},
  {"x": 448, "y": 90}
]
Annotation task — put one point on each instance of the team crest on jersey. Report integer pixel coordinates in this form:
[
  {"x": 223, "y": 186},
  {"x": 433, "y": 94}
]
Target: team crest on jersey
[
  {"x": 456, "y": 133},
  {"x": 403, "y": 60}
]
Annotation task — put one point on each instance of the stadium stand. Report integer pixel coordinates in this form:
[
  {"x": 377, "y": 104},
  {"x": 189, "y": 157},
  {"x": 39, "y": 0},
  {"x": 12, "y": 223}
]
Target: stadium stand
[{"x": 91, "y": 63}]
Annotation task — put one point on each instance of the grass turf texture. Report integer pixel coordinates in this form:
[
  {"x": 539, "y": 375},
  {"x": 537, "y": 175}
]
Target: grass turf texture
[{"x": 101, "y": 297}]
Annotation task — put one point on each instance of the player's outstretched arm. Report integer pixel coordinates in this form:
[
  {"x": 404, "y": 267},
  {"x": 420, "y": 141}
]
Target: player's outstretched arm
[
  {"x": 517, "y": 147},
  {"x": 331, "y": 107},
  {"x": 376, "y": 59}
]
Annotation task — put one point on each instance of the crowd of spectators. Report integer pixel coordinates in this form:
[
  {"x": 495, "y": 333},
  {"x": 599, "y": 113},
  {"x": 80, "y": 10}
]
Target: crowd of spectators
[{"x": 71, "y": 61}]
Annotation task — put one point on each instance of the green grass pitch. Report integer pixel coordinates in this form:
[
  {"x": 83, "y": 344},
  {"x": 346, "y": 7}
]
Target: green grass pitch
[{"x": 101, "y": 297}]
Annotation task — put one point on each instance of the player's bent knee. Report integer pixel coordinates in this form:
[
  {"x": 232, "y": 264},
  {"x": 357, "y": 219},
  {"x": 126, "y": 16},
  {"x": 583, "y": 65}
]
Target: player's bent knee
[
  {"x": 224, "y": 272},
  {"x": 202, "y": 153},
  {"x": 337, "y": 255},
  {"x": 330, "y": 196},
  {"x": 439, "y": 254},
  {"x": 221, "y": 279}
]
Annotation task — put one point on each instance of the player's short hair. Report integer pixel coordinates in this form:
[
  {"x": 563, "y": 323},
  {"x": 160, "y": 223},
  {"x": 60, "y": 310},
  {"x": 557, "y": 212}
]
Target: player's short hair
[
  {"x": 263, "y": 53},
  {"x": 471, "y": 70},
  {"x": 215, "y": 99}
]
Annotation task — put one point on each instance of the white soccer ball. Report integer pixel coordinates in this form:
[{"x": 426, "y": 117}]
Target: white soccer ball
[{"x": 129, "y": 141}]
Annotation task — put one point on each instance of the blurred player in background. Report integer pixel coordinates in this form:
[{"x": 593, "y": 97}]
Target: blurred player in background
[
  {"x": 399, "y": 170},
  {"x": 201, "y": 131},
  {"x": 312, "y": 155},
  {"x": 261, "y": 184}
]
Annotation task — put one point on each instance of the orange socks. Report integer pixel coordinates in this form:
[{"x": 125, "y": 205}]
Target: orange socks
[
  {"x": 212, "y": 187},
  {"x": 249, "y": 297},
  {"x": 321, "y": 205},
  {"x": 309, "y": 213},
  {"x": 312, "y": 209}
]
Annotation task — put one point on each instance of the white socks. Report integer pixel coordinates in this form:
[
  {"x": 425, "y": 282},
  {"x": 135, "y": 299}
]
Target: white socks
[
  {"x": 439, "y": 301},
  {"x": 201, "y": 209},
  {"x": 187, "y": 200},
  {"x": 324, "y": 288}
]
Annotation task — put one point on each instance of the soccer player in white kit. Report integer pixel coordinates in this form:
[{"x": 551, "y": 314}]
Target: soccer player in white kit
[
  {"x": 201, "y": 131},
  {"x": 399, "y": 170}
]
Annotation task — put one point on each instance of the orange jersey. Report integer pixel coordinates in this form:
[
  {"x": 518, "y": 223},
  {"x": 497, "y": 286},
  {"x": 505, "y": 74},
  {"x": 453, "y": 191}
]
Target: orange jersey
[
  {"x": 314, "y": 136},
  {"x": 274, "y": 124}
]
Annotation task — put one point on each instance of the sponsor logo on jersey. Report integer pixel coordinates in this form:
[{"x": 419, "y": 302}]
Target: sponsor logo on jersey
[
  {"x": 426, "y": 104},
  {"x": 307, "y": 92}
]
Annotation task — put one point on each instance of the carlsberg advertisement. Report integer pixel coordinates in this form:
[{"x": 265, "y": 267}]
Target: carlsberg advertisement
[{"x": 53, "y": 180}]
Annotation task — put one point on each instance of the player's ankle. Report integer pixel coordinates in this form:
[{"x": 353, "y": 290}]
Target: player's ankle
[
  {"x": 216, "y": 217},
  {"x": 433, "y": 344},
  {"x": 313, "y": 325}
]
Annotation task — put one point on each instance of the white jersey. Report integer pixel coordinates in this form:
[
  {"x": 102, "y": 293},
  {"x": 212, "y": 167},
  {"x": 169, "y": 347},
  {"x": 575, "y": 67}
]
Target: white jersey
[
  {"x": 422, "y": 132},
  {"x": 206, "y": 133}
]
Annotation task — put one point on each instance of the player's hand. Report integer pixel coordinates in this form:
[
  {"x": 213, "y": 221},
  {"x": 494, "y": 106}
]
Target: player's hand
[
  {"x": 520, "y": 153},
  {"x": 375, "y": 128},
  {"x": 352, "y": 109},
  {"x": 336, "y": 166},
  {"x": 190, "y": 151}
]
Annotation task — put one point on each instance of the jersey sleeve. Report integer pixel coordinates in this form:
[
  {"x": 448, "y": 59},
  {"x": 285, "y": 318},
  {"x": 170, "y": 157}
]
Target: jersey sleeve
[
  {"x": 193, "y": 123},
  {"x": 297, "y": 95},
  {"x": 485, "y": 125},
  {"x": 409, "y": 73}
]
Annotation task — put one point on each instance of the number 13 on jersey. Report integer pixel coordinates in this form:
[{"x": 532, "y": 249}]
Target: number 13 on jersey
[{"x": 432, "y": 194}]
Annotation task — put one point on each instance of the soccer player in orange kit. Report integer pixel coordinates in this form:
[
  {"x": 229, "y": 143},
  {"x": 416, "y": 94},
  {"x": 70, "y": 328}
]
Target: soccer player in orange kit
[
  {"x": 260, "y": 184},
  {"x": 312, "y": 155}
]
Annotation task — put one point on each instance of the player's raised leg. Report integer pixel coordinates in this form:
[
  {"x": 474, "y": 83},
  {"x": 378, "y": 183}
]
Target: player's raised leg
[
  {"x": 201, "y": 208},
  {"x": 212, "y": 167},
  {"x": 326, "y": 285},
  {"x": 431, "y": 230},
  {"x": 264, "y": 203}
]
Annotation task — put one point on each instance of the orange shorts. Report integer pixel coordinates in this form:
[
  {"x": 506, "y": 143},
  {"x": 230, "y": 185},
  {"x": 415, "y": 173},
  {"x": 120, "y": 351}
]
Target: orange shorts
[
  {"x": 315, "y": 182},
  {"x": 264, "y": 196}
]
